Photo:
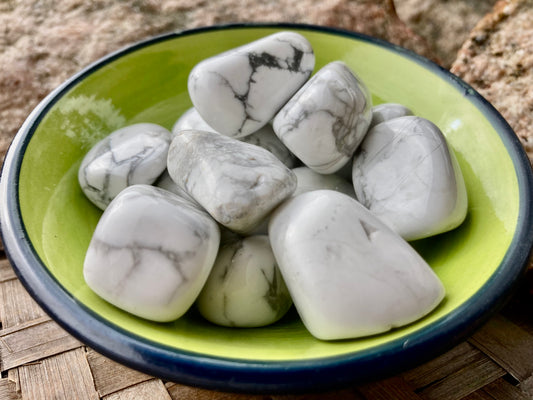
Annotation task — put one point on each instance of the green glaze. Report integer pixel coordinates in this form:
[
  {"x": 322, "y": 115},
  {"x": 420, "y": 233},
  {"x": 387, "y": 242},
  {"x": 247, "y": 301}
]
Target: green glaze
[{"x": 149, "y": 85}]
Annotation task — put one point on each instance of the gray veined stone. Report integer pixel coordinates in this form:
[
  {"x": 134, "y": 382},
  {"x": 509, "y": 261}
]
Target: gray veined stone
[
  {"x": 135, "y": 154},
  {"x": 165, "y": 182},
  {"x": 407, "y": 176},
  {"x": 325, "y": 121},
  {"x": 239, "y": 91},
  {"x": 348, "y": 274},
  {"x": 385, "y": 111},
  {"x": 151, "y": 253},
  {"x": 237, "y": 183},
  {"x": 267, "y": 139},
  {"x": 309, "y": 180},
  {"x": 264, "y": 137},
  {"x": 191, "y": 119},
  {"x": 245, "y": 288}
]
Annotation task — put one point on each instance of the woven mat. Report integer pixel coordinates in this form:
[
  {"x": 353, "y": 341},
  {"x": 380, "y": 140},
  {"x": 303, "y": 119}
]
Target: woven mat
[{"x": 39, "y": 360}]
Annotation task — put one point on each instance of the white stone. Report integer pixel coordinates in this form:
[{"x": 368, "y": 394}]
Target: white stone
[
  {"x": 408, "y": 177},
  {"x": 264, "y": 137},
  {"x": 151, "y": 253},
  {"x": 267, "y": 139},
  {"x": 165, "y": 182},
  {"x": 237, "y": 183},
  {"x": 245, "y": 288},
  {"x": 239, "y": 91},
  {"x": 135, "y": 154},
  {"x": 348, "y": 274},
  {"x": 326, "y": 119},
  {"x": 384, "y": 112},
  {"x": 308, "y": 180},
  {"x": 190, "y": 119}
]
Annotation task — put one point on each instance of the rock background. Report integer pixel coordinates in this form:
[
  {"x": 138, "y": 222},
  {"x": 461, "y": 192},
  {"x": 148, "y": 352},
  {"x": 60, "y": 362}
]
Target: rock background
[
  {"x": 43, "y": 42},
  {"x": 497, "y": 59},
  {"x": 444, "y": 24}
]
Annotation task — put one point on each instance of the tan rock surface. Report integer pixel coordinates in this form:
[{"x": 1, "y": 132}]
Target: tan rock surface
[
  {"x": 445, "y": 24},
  {"x": 497, "y": 60},
  {"x": 44, "y": 42}
]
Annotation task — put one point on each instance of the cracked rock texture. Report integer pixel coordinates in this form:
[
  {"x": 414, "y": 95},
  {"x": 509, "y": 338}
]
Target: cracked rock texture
[
  {"x": 497, "y": 60},
  {"x": 445, "y": 24},
  {"x": 44, "y": 42}
]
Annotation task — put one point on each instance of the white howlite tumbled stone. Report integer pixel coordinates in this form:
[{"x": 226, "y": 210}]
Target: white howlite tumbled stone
[
  {"x": 407, "y": 176},
  {"x": 239, "y": 91},
  {"x": 151, "y": 253},
  {"x": 267, "y": 139},
  {"x": 264, "y": 137},
  {"x": 135, "y": 154},
  {"x": 326, "y": 119},
  {"x": 245, "y": 288},
  {"x": 190, "y": 119},
  {"x": 348, "y": 274},
  {"x": 165, "y": 182},
  {"x": 309, "y": 180},
  {"x": 384, "y": 112},
  {"x": 237, "y": 183}
]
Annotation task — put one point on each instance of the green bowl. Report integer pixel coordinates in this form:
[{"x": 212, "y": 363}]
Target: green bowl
[{"x": 46, "y": 221}]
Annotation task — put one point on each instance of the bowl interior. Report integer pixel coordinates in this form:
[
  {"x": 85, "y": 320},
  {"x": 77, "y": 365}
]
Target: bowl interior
[{"x": 148, "y": 84}]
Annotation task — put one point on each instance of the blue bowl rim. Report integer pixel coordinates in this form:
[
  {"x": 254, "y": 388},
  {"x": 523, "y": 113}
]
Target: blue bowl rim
[{"x": 241, "y": 375}]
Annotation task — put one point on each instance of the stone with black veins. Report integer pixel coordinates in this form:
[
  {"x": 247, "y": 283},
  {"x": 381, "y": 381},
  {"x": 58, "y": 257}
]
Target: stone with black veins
[
  {"x": 264, "y": 137},
  {"x": 325, "y": 121},
  {"x": 348, "y": 274},
  {"x": 134, "y": 154},
  {"x": 151, "y": 253},
  {"x": 239, "y": 91},
  {"x": 245, "y": 288},
  {"x": 238, "y": 183}
]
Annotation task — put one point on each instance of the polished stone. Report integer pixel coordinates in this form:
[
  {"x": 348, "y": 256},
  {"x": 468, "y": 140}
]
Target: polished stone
[
  {"x": 406, "y": 175},
  {"x": 384, "y": 112},
  {"x": 245, "y": 288},
  {"x": 165, "y": 182},
  {"x": 267, "y": 139},
  {"x": 264, "y": 137},
  {"x": 135, "y": 154},
  {"x": 348, "y": 274},
  {"x": 239, "y": 91},
  {"x": 309, "y": 180},
  {"x": 190, "y": 119},
  {"x": 324, "y": 122},
  {"x": 151, "y": 253},
  {"x": 237, "y": 183}
]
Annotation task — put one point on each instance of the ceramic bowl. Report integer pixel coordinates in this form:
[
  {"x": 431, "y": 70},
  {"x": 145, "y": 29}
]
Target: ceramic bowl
[{"x": 47, "y": 222}]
